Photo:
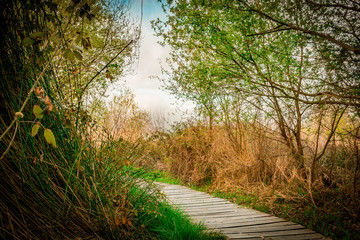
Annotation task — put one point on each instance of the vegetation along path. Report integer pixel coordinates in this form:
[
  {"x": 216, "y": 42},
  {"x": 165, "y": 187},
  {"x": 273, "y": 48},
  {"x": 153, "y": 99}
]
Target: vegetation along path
[{"x": 234, "y": 221}]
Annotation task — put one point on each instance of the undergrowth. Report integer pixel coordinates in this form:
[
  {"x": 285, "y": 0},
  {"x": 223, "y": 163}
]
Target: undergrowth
[
  {"x": 260, "y": 174},
  {"x": 311, "y": 217},
  {"x": 57, "y": 180}
]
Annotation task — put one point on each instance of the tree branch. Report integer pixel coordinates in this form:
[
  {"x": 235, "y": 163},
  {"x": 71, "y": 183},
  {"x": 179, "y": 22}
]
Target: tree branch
[{"x": 304, "y": 30}]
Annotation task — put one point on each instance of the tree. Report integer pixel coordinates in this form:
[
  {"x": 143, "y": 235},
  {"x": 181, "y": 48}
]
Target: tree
[
  {"x": 332, "y": 29},
  {"x": 278, "y": 74},
  {"x": 193, "y": 80},
  {"x": 99, "y": 44},
  {"x": 124, "y": 119}
]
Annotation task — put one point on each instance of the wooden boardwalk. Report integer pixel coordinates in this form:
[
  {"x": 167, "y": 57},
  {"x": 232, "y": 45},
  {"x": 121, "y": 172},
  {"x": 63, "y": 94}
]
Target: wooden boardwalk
[{"x": 234, "y": 221}]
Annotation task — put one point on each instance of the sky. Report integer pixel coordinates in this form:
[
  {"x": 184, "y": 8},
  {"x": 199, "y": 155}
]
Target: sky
[{"x": 148, "y": 92}]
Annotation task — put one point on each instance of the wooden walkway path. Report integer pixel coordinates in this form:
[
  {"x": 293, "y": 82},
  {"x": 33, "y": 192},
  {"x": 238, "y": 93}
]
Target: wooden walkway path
[{"x": 234, "y": 221}]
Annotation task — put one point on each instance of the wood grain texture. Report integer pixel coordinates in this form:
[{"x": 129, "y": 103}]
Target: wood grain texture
[{"x": 236, "y": 222}]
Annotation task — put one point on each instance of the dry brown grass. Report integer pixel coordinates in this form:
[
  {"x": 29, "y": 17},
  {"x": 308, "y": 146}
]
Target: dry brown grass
[
  {"x": 197, "y": 155},
  {"x": 256, "y": 162}
]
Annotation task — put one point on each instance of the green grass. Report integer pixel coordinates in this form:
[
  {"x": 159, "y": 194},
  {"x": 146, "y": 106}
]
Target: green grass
[
  {"x": 168, "y": 222},
  {"x": 161, "y": 176}
]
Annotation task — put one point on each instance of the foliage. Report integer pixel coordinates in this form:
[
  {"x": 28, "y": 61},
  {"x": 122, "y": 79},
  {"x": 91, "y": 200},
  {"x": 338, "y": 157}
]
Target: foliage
[
  {"x": 331, "y": 27},
  {"x": 231, "y": 71},
  {"x": 63, "y": 184},
  {"x": 98, "y": 33}
]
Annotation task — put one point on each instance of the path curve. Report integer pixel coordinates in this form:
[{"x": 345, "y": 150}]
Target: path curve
[{"x": 234, "y": 221}]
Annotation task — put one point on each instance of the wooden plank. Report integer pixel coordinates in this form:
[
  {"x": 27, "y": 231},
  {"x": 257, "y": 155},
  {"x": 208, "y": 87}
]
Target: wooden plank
[
  {"x": 249, "y": 219},
  {"x": 194, "y": 199},
  {"x": 212, "y": 207},
  {"x": 165, "y": 189},
  {"x": 264, "y": 226},
  {"x": 187, "y": 196},
  {"x": 235, "y": 214},
  {"x": 262, "y": 232},
  {"x": 244, "y": 236},
  {"x": 179, "y": 202},
  {"x": 179, "y": 190},
  {"x": 247, "y": 223},
  {"x": 194, "y": 202},
  {"x": 294, "y": 237},
  {"x": 204, "y": 214},
  {"x": 222, "y": 213},
  {"x": 314, "y": 236},
  {"x": 237, "y": 222},
  {"x": 255, "y": 229},
  {"x": 230, "y": 217},
  {"x": 190, "y": 195},
  {"x": 200, "y": 204},
  {"x": 208, "y": 210},
  {"x": 237, "y": 218},
  {"x": 295, "y": 232}
]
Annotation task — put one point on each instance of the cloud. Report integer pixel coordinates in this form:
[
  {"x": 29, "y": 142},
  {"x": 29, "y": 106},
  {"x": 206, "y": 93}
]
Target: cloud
[
  {"x": 149, "y": 95},
  {"x": 151, "y": 53}
]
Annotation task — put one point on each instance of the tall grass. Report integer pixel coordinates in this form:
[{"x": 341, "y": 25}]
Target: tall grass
[
  {"x": 77, "y": 187},
  {"x": 250, "y": 165}
]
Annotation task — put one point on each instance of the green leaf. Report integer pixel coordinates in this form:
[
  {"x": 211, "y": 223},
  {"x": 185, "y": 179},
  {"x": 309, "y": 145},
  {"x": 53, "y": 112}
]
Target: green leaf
[
  {"x": 90, "y": 16},
  {"x": 49, "y": 137},
  {"x": 38, "y": 112},
  {"x": 89, "y": 42},
  {"x": 35, "y": 129},
  {"x": 68, "y": 54},
  {"x": 50, "y": 48},
  {"x": 70, "y": 8},
  {"x": 37, "y": 35},
  {"x": 28, "y": 41},
  {"x": 78, "y": 55},
  {"x": 78, "y": 39},
  {"x": 54, "y": 38},
  {"x": 86, "y": 43},
  {"x": 52, "y": 6}
]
